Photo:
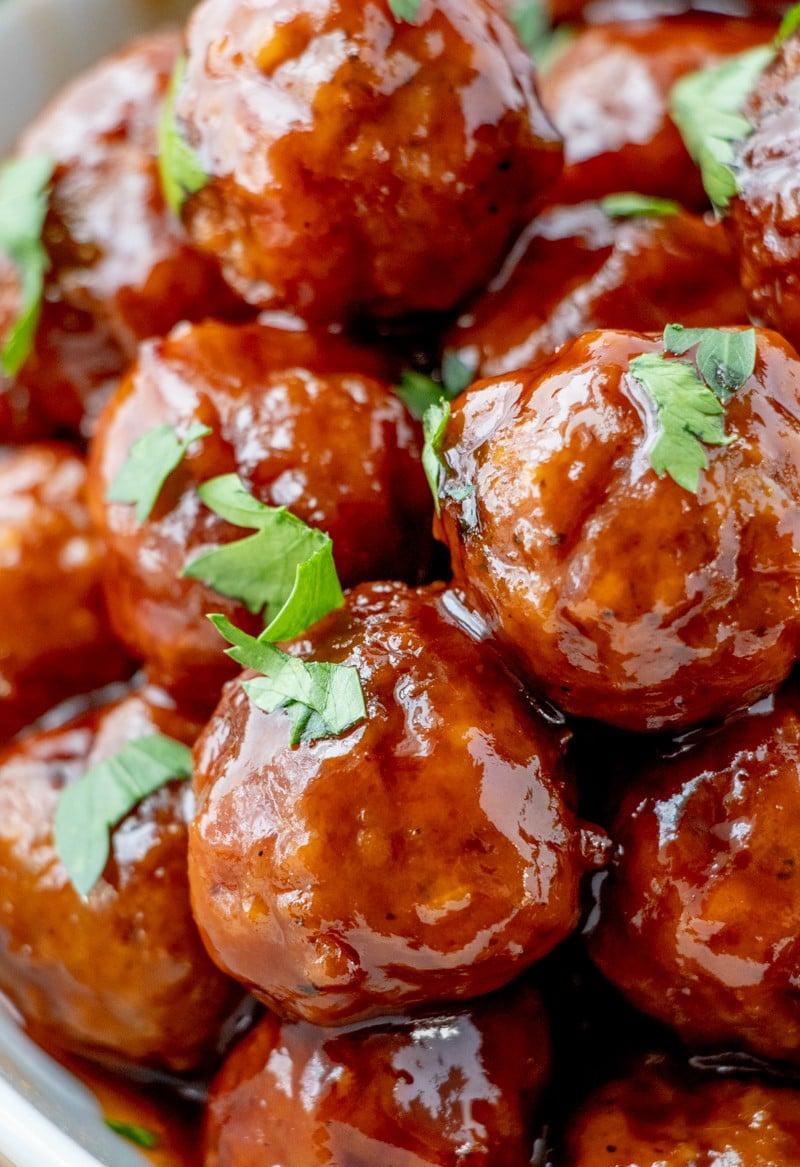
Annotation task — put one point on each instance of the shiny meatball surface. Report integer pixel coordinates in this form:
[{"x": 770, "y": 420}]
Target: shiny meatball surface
[
  {"x": 55, "y": 640},
  {"x": 608, "y": 94},
  {"x": 121, "y": 267},
  {"x": 458, "y": 1087},
  {"x": 356, "y": 160},
  {"x": 426, "y": 855},
  {"x": 765, "y": 216},
  {"x": 577, "y": 269},
  {"x": 659, "y": 1120},
  {"x": 304, "y": 421},
  {"x": 617, "y": 593},
  {"x": 121, "y": 974},
  {"x": 700, "y": 916}
]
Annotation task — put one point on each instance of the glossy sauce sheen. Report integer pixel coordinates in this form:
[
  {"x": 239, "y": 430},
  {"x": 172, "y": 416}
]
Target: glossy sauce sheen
[
  {"x": 121, "y": 267},
  {"x": 455, "y": 1088},
  {"x": 620, "y": 595},
  {"x": 426, "y": 855},
  {"x": 303, "y": 419},
  {"x": 699, "y": 919},
  {"x": 358, "y": 161},
  {"x": 121, "y": 975},
  {"x": 575, "y": 270}
]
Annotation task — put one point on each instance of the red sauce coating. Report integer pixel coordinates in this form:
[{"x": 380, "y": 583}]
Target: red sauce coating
[
  {"x": 699, "y": 918},
  {"x": 608, "y": 94},
  {"x": 657, "y": 1119},
  {"x": 576, "y": 269},
  {"x": 358, "y": 161},
  {"x": 456, "y": 1088},
  {"x": 55, "y": 639},
  {"x": 428, "y": 854},
  {"x": 304, "y": 421},
  {"x": 120, "y": 975},
  {"x": 618, "y": 594},
  {"x": 121, "y": 267}
]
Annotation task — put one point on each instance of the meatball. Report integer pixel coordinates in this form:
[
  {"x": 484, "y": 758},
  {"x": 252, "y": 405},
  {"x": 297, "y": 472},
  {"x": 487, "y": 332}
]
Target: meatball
[
  {"x": 121, "y": 267},
  {"x": 765, "y": 217},
  {"x": 303, "y": 421},
  {"x": 55, "y": 641},
  {"x": 121, "y": 974},
  {"x": 426, "y": 855},
  {"x": 608, "y": 94},
  {"x": 577, "y": 269},
  {"x": 460, "y": 1087},
  {"x": 657, "y": 1119},
  {"x": 356, "y": 161},
  {"x": 616, "y": 592},
  {"x": 698, "y": 922}
]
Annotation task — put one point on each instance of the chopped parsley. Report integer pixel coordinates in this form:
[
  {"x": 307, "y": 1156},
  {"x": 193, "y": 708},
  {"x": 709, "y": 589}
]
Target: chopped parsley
[
  {"x": 629, "y": 205},
  {"x": 24, "y": 196},
  {"x": 139, "y": 1135},
  {"x": 178, "y": 165},
  {"x": 148, "y": 466},
  {"x": 406, "y": 10},
  {"x": 434, "y": 424}
]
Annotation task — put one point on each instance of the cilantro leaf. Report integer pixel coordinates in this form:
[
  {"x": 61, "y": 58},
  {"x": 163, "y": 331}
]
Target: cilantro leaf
[
  {"x": 725, "y": 359},
  {"x": 323, "y": 700},
  {"x": 457, "y": 375},
  {"x": 24, "y": 195},
  {"x": 788, "y": 25},
  {"x": 89, "y": 808},
  {"x": 417, "y": 392},
  {"x": 705, "y": 107},
  {"x": 286, "y": 568},
  {"x": 434, "y": 424},
  {"x": 406, "y": 10},
  {"x": 688, "y": 414},
  {"x": 178, "y": 166},
  {"x": 151, "y": 461},
  {"x": 139, "y": 1135},
  {"x": 629, "y": 204}
]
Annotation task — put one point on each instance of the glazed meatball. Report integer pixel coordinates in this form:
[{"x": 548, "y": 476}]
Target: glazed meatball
[
  {"x": 357, "y": 161},
  {"x": 657, "y": 1119},
  {"x": 120, "y": 974},
  {"x": 303, "y": 421},
  {"x": 616, "y": 592},
  {"x": 765, "y": 217},
  {"x": 426, "y": 855},
  {"x": 121, "y": 268},
  {"x": 55, "y": 639},
  {"x": 577, "y": 269},
  {"x": 699, "y": 919},
  {"x": 608, "y": 94},
  {"x": 459, "y": 1087}
]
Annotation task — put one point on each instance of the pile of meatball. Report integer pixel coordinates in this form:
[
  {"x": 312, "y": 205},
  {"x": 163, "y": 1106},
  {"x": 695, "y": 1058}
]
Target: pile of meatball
[{"x": 542, "y": 904}]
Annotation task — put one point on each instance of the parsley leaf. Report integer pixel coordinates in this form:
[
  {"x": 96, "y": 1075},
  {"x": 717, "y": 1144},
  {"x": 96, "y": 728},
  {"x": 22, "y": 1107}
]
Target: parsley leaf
[
  {"x": 705, "y": 107},
  {"x": 456, "y": 374},
  {"x": 148, "y": 466},
  {"x": 418, "y": 392},
  {"x": 24, "y": 195},
  {"x": 532, "y": 22},
  {"x": 789, "y": 24},
  {"x": 434, "y": 424},
  {"x": 688, "y": 414},
  {"x": 178, "y": 165},
  {"x": 286, "y": 568},
  {"x": 89, "y": 808},
  {"x": 139, "y": 1135},
  {"x": 725, "y": 359},
  {"x": 629, "y": 204},
  {"x": 322, "y": 700},
  {"x": 407, "y": 10}
]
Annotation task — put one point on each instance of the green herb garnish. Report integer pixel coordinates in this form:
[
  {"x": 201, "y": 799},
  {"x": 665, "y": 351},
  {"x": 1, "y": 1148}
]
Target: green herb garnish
[
  {"x": 434, "y": 424},
  {"x": 89, "y": 808},
  {"x": 457, "y": 375},
  {"x": 689, "y": 398},
  {"x": 406, "y": 10},
  {"x": 139, "y": 1135},
  {"x": 151, "y": 461},
  {"x": 705, "y": 107},
  {"x": 788, "y": 25},
  {"x": 629, "y": 205},
  {"x": 24, "y": 195},
  {"x": 285, "y": 570},
  {"x": 178, "y": 165},
  {"x": 322, "y": 700},
  {"x": 532, "y": 22}
]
